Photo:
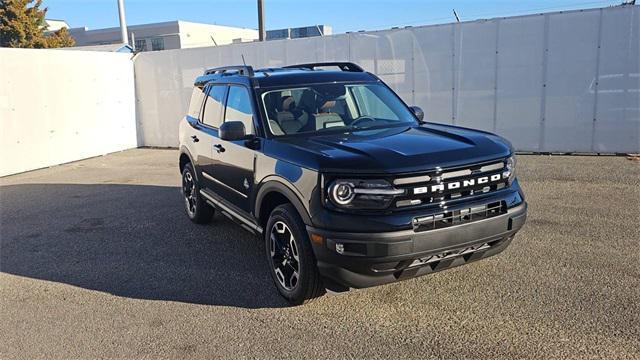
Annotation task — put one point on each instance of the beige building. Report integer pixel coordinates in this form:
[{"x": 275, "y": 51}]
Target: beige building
[
  {"x": 55, "y": 24},
  {"x": 166, "y": 35}
]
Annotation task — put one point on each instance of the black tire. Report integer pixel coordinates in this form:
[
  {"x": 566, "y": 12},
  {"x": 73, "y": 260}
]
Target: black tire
[
  {"x": 196, "y": 208},
  {"x": 308, "y": 284}
]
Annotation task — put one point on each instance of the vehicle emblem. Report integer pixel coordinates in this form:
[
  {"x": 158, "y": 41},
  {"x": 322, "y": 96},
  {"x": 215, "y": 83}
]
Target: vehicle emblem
[{"x": 246, "y": 183}]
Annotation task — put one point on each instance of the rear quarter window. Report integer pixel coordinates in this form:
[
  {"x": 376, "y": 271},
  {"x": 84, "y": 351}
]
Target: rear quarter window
[{"x": 195, "y": 104}]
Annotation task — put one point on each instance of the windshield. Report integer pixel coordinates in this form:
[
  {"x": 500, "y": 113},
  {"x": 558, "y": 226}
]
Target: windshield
[{"x": 329, "y": 107}]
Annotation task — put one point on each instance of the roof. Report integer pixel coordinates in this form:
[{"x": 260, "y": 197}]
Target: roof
[
  {"x": 287, "y": 76},
  {"x": 123, "y": 48},
  {"x": 299, "y": 76}
]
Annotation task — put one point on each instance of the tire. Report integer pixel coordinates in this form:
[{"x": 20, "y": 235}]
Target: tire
[
  {"x": 285, "y": 260},
  {"x": 196, "y": 208}
]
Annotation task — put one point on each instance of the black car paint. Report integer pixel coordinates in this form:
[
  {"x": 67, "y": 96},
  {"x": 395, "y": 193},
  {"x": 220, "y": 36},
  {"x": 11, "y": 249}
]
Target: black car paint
[{"x": 288, "y": 164}]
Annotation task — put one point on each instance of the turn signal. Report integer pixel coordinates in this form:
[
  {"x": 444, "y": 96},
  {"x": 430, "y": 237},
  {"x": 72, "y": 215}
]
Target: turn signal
[{"x": 317, "y": 239}]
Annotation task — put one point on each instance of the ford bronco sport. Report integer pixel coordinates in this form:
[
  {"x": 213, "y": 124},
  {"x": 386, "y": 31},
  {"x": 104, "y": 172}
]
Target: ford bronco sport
[{"x": 347, "y": 185}]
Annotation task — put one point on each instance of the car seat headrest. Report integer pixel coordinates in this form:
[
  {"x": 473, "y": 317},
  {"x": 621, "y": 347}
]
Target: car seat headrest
[{"x": 287, "y": 103}]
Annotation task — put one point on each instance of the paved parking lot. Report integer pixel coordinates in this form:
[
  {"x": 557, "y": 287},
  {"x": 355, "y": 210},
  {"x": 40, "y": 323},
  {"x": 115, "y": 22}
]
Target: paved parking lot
[{"x": 97, "y": 259}]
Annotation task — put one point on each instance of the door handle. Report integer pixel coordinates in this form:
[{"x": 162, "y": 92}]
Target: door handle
[
  {"x": 194, "y": 138},
  {"x": 219, "y": 148}
]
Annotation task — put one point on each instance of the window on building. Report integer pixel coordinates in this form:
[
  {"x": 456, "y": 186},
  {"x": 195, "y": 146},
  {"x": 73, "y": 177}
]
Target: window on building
[
  {"x": 141, "y": 45},
  {"x": 157, "y": 44},
  {"x": 213, "y": 106},
  {"x": 239, "y": 107}
]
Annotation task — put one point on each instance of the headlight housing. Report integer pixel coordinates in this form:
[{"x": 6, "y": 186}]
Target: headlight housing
[
  {"x": 510, "y": 169},
  {"x": 362, "y": 194}
]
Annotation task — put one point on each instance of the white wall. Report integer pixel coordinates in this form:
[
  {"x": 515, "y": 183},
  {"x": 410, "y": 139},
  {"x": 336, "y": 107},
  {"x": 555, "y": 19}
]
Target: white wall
[
  {"x": 565, "y": 81},
  {"x": 197, "y": 34},
  {"x": 59, "y": 106}
]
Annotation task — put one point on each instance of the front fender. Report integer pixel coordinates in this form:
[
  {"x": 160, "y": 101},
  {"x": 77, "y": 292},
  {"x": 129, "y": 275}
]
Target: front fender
[{"x": 280, "y": 185}]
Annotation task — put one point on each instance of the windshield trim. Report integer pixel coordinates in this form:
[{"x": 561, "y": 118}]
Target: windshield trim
[{"x": 330, "y": 131}]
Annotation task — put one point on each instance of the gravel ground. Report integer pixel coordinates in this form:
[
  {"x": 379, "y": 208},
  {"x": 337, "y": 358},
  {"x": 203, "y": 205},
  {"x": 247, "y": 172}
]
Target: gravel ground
[{"x": 97, "y": 259}]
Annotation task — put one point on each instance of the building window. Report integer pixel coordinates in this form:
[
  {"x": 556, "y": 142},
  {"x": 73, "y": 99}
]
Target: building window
[
  {"x": 157, "y": 44},
  {"x": 141, "y": 45}
]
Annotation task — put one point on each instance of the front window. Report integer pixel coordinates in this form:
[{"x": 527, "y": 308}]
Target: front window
[
  {"x": 239, "y": 107},
  {"x": 333, "y": 107}
]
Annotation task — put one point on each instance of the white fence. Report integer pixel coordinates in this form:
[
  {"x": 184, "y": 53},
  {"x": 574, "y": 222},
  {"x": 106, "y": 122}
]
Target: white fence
[
  {"x": 60, "y": 106},
  {"x": 566, "y": 81}
]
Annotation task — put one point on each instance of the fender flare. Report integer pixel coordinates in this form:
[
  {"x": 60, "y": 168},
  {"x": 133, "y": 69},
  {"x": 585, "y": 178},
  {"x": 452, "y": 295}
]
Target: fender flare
[
  {"x": 184, "y": 150},
  {"x": 278, "y": 184}
]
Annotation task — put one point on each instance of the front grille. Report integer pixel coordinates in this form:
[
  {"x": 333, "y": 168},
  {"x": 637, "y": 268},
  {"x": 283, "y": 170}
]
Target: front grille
[
  {"x": 451, "y": 184},
  {"x": 457, "y": 217}
]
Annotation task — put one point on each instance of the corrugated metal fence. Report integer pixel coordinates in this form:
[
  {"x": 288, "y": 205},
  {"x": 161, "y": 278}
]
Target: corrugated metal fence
[{"x": 555, "y": 82}]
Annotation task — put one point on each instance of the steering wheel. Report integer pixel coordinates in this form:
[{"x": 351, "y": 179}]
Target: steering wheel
[{"x": 361, "y": 119}]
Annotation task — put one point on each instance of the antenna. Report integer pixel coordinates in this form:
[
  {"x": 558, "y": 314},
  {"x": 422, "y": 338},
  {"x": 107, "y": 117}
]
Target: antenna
[
  {"x": 244, "y": 62},
  {"x": 456, "y": 15}
]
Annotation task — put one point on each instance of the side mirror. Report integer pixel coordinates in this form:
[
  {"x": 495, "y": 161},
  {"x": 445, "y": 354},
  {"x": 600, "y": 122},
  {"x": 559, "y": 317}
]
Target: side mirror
[
  {"x": 232, "y": 131},
  {"x": 417, "y": 112}
]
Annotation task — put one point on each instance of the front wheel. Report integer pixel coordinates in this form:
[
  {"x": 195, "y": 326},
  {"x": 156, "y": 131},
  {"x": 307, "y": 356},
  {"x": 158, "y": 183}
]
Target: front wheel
[{"x": 290, "y": 257}]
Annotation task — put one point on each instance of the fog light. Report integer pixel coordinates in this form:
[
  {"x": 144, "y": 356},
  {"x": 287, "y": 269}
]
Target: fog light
[{"x": 340, "y": 248}]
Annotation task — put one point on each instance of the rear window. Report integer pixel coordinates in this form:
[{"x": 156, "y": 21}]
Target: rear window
[{"x": 197, "y": 96}]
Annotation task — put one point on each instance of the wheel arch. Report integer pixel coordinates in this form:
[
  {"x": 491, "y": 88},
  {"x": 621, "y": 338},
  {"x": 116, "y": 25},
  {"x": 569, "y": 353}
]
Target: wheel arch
[
  {"x": 273, "y": 192},
  {"x": 184, "y": 158}
]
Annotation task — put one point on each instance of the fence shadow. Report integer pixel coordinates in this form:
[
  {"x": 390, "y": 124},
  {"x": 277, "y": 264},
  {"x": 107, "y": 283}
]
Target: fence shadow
[{"x": 132, "y": 241}]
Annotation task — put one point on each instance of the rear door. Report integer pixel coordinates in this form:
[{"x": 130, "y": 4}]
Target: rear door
[
  {"x": 234, "y": 162},
  {"x": 208, "y": 134}
]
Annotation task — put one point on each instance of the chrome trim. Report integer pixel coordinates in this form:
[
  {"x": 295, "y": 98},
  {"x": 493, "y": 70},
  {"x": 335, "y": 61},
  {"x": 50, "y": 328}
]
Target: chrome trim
[
  {"x": 231, "y": 212},
  {"x": 411, "y": 180},
  {"x": 453, "y": 174},
  {"x": 378, "y": 191},
  {"x": 448, "y": 175},
  {"x": 492, "y": 167},
  {"x": 449, "y": 254},
  {"x": 223, "y": 184},
  {"x": 408, "y": 202}
]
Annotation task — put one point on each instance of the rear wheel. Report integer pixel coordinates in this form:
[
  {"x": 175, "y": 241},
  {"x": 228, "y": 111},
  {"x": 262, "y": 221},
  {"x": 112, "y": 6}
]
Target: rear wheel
[
  {"x": 290, "y": 257},
  {"x": 197, "y": 209}
]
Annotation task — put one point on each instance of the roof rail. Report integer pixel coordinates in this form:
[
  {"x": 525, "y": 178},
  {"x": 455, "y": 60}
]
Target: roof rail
[
  {"x": 241, "y": 69},
  {"x": 344, "y": 66}
]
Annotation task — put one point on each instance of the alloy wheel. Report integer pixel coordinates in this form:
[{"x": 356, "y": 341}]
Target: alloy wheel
[
  {"x": 284, "y": 255},
  {"x": 189, "y": 193}
]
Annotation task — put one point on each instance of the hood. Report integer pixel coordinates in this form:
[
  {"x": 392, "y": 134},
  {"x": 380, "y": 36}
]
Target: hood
[{"x": 393, "y": 150}]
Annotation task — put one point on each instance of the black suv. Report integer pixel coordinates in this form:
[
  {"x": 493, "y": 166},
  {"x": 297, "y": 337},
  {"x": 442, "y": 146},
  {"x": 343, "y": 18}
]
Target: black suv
[{"x": 346, "y": 184}]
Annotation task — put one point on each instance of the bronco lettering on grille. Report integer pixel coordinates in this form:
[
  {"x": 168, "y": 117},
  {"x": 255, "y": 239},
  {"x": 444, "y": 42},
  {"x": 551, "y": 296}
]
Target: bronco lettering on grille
[{"x": 454, "y": 185}]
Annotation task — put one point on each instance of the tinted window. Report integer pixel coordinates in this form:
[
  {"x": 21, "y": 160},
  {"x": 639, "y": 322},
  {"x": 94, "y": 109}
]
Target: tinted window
[
  {"x": 214, "y": 105},
  {"x": 372, "y": 102},
  {"x": 197, "y": 96},
  {"x": 239, "y": 107},
  {"x": 333, "y": 107}
]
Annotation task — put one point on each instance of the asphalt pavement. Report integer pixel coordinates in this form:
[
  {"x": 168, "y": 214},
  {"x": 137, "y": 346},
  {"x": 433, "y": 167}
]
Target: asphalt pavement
[{"x": 98, "y": 259}]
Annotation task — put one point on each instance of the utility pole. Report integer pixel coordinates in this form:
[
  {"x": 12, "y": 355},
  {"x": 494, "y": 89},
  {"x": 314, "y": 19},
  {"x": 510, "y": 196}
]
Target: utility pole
[
  {"x": 262, "y": 35},
  {"x": 123, "y": 23}
]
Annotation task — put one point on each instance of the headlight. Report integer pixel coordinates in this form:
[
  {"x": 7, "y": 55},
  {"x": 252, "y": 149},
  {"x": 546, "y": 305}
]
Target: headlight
[
  {"x": 362, "y": 194},
  {"x": 510, "y": 169}
]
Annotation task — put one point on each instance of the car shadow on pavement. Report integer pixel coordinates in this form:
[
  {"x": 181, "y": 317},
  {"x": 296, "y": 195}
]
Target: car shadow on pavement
[{"x": 133, "y": 241}]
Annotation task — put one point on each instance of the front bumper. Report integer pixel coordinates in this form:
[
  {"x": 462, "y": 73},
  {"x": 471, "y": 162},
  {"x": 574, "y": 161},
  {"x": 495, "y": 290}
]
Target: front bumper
[{"x": 370, "y": 259}]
